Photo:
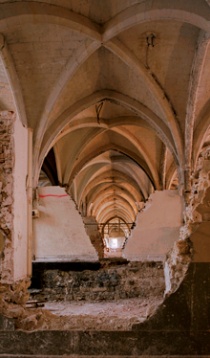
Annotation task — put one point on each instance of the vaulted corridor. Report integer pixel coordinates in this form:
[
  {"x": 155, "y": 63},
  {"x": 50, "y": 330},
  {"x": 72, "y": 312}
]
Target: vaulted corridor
[{"x": 105, "y": 177}]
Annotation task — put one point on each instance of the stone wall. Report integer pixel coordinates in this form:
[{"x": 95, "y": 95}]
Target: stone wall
[
  {"x": 59, "y": 233},
  {"x": 112, "y": 282},
  {"x": 6, "y": 195},
  {"x": 193, "y": 243},
  {"x": 180, "y": 327},
  {"x": 157, "y": 227},
  {"x": 13, "y": 198},
  {"x": 199, "y": 208}
]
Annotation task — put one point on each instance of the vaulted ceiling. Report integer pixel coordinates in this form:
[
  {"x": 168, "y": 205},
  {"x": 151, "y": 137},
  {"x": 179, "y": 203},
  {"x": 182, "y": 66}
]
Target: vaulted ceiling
[{"x": 116, "y": 92}]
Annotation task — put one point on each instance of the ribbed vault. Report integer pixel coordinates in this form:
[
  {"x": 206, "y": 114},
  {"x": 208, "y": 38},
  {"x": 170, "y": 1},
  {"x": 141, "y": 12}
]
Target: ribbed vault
[{"x": 116, "y": 93}]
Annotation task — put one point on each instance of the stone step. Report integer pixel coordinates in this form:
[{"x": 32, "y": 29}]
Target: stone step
[
  {"x": 92, "y": 343},
  {"x": 102, "y": 356},
  {"x": 6, "y": 324}
]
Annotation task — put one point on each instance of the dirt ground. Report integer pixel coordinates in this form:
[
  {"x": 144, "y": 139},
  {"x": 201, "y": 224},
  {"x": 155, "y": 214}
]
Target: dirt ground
[{"x": 120, "y": 315}]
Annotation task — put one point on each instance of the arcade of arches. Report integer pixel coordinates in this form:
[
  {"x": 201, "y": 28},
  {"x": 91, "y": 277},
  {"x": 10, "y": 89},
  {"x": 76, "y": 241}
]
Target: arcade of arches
[{"x": 105, "y": 173}]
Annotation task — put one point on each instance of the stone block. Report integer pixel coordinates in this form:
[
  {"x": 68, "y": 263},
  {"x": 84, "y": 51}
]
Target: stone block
[
  {"x": 6, "y": 324},
  {"x": 108, "y": 282}
]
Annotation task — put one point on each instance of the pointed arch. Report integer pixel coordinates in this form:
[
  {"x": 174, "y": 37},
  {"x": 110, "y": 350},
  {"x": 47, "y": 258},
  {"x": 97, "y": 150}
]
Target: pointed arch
[{"x": 145, "y": 113}]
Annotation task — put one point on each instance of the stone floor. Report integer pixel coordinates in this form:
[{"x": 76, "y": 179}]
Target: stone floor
[
  {"x": 113, "y": 315},
  {"x": 111, "y": 295}
]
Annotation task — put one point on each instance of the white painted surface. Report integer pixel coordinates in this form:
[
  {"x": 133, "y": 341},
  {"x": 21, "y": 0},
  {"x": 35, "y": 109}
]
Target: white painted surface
[
  {"x": 59, "y": 232},
  {"x": 20, "y": 201},
  {"x": 157, "y": 227}
]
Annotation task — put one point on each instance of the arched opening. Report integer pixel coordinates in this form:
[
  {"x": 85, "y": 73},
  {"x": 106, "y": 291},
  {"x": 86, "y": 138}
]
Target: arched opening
[
  {"x": 115, "y": 233},
  {"x": 116, "y": 97}
]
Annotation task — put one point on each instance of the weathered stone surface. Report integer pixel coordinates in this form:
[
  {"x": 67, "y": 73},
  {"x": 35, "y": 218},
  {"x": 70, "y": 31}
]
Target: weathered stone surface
[
  {"x": 104, "y": 343},
  {"x": 197, "y": 210},
  {"x": 6, "y": 194},
  {"x": 2, "y": 241},
  {"x": 186, "y": 309},
  {"x": 13, "y": 295},
  {"x": 112, "y": 282},
  {"x": 179, "y": 327},
  {"x": 102, "y": 356},
  {"x": 6, "y": 324}
]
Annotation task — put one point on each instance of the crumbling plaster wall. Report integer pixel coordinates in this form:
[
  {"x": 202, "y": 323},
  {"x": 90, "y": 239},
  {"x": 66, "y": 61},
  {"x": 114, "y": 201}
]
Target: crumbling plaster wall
[
  {"x": 59, "y": 232},
  {"x": 193, "y": 243},
  {"x": 6, "y": 185},
  {"x": 13, "y": 215},
  {"x": 157, "y": 227},
  {"x": 109, "y": 281}
]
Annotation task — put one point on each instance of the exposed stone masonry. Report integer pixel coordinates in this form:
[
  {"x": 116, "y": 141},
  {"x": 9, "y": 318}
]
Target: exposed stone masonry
[
  {"x": 6, "y": 194},
  {"x": 197, "y": 210},
  {"x": 109, "y": 280},
  {"x": 11, "y": 293},
  {"x": 12, "y": 301},
  {"x": 112, "y": 282}
]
